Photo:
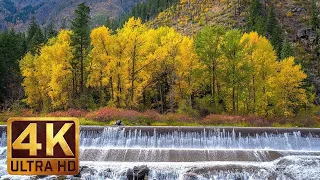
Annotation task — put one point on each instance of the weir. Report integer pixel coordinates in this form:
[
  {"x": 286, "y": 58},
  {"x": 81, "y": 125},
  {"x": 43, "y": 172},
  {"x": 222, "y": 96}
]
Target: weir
[{"x": 195, "y": 152}]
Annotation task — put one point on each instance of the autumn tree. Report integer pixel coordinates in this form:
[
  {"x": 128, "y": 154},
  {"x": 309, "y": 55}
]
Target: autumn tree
[
  {"x": 263, "y": 62},
  {"x": 288, "y": 94},
  {"x": 47, "y": 77},
  {"x": 100, "y": 69},
  {"x": 30, "y": 82},
  {"x": 133, "y": 34}
]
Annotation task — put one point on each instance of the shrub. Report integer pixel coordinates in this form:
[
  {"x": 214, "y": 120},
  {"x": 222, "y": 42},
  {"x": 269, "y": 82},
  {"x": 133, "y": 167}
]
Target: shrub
[
  {"x": 108, "y": 114},
  {"x": 217, "y": 119},
  {"x": 171, "y": 117},
  {"x": 154, "y": 115},
  {"x": 289, "y": 14},
  {"x": 69, "y": 113}
]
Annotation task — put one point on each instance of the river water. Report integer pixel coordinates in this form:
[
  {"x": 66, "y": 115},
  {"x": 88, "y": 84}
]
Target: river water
[{"x": 202, "y": 154}]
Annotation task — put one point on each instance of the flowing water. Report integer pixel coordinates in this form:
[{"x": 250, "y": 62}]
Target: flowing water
[{"x": 185, "y": 155}]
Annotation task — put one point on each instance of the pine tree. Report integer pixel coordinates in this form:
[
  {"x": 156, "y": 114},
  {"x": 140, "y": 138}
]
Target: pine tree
[
  {"x": 80, "y": 42},
  {"x": 256, "y": 19},
  {"x": 50, "y": 30},
  {"x": 286, "y": 50},
  {"x": 274, "y": 31},
  {"x": 34, "y": 44},
  {"x": 34, "y": 37},
  {"x": 32, "y": 29},
  {"x": 276, "y": 39},
  {"x": 315, "y": 21},
  {"x": 12, "y": 48},
  {"x": 271, "y": 22}
]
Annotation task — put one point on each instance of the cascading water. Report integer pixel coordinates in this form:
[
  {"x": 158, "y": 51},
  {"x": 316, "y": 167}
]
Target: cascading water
[{"x": 203, "y": 154}]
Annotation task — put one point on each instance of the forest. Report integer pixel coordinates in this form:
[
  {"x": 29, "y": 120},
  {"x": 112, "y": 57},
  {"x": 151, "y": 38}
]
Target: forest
[{"x": 219, "y": 70}]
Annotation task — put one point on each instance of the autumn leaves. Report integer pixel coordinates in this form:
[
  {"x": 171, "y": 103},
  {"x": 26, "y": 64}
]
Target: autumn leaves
[{"x": 217, "y": 71}]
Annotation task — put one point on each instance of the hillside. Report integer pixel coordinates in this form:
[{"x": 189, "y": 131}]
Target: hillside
[
  {"x": 293, "y": 17},
  {"x": 17, "y": 13}
]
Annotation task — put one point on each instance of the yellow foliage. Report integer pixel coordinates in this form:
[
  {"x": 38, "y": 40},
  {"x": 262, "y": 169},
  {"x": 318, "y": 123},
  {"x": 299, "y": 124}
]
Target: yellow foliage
[
  {"x": 289, "y": 14},
  {"x": 47, "y": 76},
  {"x": 286, "y": 84}
]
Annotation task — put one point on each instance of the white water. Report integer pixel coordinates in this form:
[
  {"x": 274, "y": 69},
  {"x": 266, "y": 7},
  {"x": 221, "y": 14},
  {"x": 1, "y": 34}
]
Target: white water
[
  {"x": 196, "y": 155},
  {"x": 114, "y": 137}
]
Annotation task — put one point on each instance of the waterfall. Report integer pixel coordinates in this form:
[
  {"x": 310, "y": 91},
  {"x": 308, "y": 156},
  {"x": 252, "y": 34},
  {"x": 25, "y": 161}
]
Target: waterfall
[{"x": 184, "y": 153}]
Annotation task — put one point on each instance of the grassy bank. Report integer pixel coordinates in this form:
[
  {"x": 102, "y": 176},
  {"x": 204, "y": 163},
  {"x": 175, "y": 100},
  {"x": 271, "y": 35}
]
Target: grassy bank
[{"x": 108, "y": 116}]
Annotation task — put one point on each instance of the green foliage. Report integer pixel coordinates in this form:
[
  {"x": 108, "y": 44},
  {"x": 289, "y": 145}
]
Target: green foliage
[
  {"x": 286, "y": 50},
  {"x": 274, "y": 31},
  {"x": 315, "y": 21},
  {"x": 255, "y": 19},
  {"x": 50, "y": 31},
  {"x": 12, "y": 48},
  {"x": 80, "y": 42},
  {"x": 207, "y": 43},
  {"x": 145, "y": 10},
  {"x": 150, "y": 8},
  {"x": 272, "y": 21}
]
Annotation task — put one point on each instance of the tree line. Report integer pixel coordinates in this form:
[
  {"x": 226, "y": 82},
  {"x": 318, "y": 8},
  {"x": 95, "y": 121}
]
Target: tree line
[
  {"x": 137, "y": 67},
  {"x": 217, "y": 71}
]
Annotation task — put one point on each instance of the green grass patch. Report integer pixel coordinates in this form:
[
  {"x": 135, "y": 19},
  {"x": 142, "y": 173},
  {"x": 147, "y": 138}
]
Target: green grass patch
[{"x": 88, "y": 122}]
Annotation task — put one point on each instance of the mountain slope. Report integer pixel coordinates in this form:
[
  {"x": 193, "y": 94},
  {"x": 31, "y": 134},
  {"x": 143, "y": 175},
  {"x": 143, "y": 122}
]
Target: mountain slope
[
  {"x": 17, "y": 13},
  {"x": 293, "y": 17}
]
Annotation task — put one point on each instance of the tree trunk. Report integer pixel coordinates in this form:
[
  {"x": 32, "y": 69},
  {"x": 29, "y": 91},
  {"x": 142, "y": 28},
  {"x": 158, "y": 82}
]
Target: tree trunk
[
  {"x": 133, "y": 72},
  {"x": 81, "y": 65}
]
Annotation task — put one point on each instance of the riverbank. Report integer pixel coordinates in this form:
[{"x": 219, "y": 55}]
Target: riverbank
[{"x": 108, "y": 116}]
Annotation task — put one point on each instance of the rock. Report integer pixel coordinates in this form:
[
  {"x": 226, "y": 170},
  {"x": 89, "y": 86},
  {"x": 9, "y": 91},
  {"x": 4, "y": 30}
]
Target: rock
[
  {"x": 106, "y": 173},
  {"x": 85, "y": 170},
  {"x": 139, "y": 172},
  {"x": 190, "y": 176},
  {"x": 129, "y": 174},
  {"x": 119, "y": 123},
  {"x": 306, "y": 33}
]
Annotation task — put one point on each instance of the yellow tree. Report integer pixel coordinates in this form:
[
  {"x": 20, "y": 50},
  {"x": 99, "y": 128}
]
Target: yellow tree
[
  {"x": 61, "y": 73},
  {"x": 189, "y": 72},
  {"x": 101, "y": 55},
  {"x": 176, "y": 67},
  {"x": 134, "y": 35},
  {"x": 54, "y": 71},
  {"x": 47, "y": 77},
  {"x": 263, "y": 60},
  {"x": 30, "y": 82},
  {"x": 287, "y": 91}
]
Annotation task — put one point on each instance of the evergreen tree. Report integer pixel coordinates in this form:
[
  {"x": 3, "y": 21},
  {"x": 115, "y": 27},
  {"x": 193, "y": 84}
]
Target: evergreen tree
[
  {"x": 256, "y": 19},
  {"x": 50, "y": 30},
  {"x": 80, "y": 42},
  {"x": 63, "y": 24},
  {"x": 12, "y": 48},
  {"x": 286, "y": 50},
  {"x": 274, "y": 31},
  {"x": 271, "y": 22},
  {"x": 276, "y": 39},
  {"x": 32, "y": 29},
  {"x": 35, "y": 36},
  {"x": 315, "y": 21}
]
